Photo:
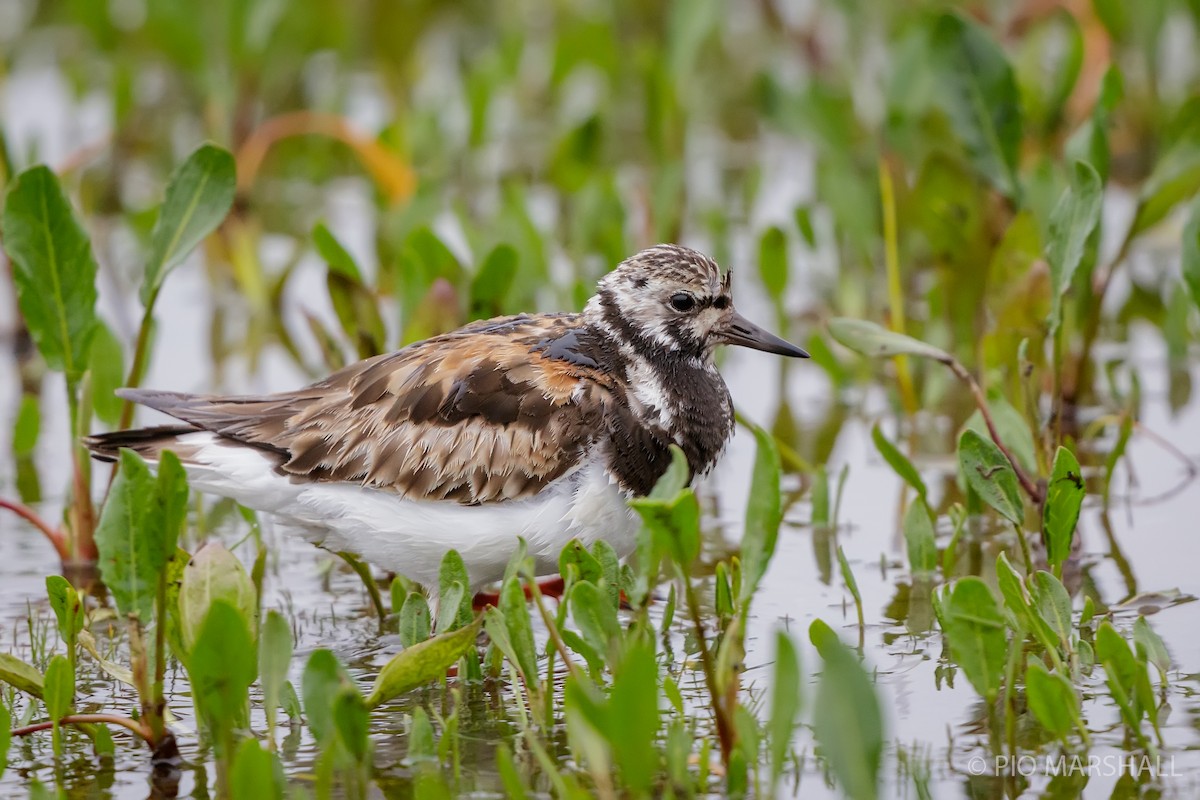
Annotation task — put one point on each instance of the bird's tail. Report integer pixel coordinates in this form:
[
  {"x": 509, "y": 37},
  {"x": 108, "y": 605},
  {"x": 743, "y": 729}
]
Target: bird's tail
[{"x": 146, "y": 442}]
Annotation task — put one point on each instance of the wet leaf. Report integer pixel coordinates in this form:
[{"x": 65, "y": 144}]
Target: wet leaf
[
  {"x": 415, "y": 626},
  {"x": 131, "y": 562},
  {"x": 519, "y": 629},
  {"x": 1053, "y": 605},
  {"x": 1012, "y": 427},
  {"x": 596, "y": 618},
  {"x": 324, "y": 678},
  {"x": 1017, "y": 599},
  {"x": 420, "y": 737},
  {"x": 19, "y": 675},
  {"x": 785, "y": 703},
  {"x": 1064, "y": 498},
  {"x": 5, "y": 737},
  {"x": 876, "y": 341},
  {"x": 199, "y": 195},
  {"x": 68, "y": 611},
  {"x": 989, "y": 474},
  {"x": 59, "y": 687},
  {"x": 1052, "y": 699},
  {"x": 920, "y": 539},
  {"x": 1150, "y": 647},
  {"x": 423, "y": 663},
  {"x": 764, "y": 513},
  {"x": 898, "y": 461},
  {"x": 52, "y": 268},
  {"x": 256, "y": 772},
  {"x": 979, "y": 95},
  {"x": 975, "y": 630},
  {"x": 633, "y": 717},
  {"x": 213, "y": 575},
  {"x": 847, "y": 721},
  {"x": 1071, "y": 224},
  {"x": 221, "y": 666},
  {"x": 274, "y": 659},
  {"x": 1121, "y": 672},
  {"x": 352, "y": 720},
  {"x": 454, "y": 603}
]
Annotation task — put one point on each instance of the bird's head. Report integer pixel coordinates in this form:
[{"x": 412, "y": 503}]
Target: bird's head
[{"x": 674, "y": 299}]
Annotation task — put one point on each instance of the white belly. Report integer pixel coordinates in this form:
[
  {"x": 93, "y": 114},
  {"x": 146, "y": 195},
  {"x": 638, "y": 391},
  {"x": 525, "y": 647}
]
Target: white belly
[{"x": 410, "y": 537}]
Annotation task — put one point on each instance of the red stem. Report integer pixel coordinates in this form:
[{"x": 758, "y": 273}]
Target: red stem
[
  {"x": 29, "y": 515},
  {"x": 88, "y": 719}
]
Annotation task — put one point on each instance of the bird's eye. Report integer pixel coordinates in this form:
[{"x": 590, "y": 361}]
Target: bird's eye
[
  {"x": 682, "y": 302},
  {"x": 721, "y": 303}
]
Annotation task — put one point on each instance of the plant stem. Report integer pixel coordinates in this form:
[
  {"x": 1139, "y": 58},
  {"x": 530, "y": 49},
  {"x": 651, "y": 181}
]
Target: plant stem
[
  {"x": 138, "y": 367},
  {"x": 725, "y": 730},
  {"x": 89, "y": 719},
  {"x": 555, "y": 637},
  {"x": 29, "y": 515},
  {"x": 1027, "y": 483},
  {"x": 891, "y": 251}
]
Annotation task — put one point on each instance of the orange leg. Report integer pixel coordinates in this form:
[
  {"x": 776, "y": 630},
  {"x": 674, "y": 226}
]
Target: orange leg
[{"x": 549, "y": 587}]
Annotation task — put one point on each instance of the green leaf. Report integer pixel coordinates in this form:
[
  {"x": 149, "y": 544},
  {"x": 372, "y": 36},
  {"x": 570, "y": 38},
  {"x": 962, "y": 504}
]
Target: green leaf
[
  {"x": 519, "y": 629},
  {"x": 351, "y": 717},
  {"x": 898, "y": 461},
  {"x": 920, "y": 539},
  {"x": 1176, "y": 175},
  {"x": 785, "y": 703},
  {"x": 595, "y": 617},
  {"x": 213, "y": 575},
  {"x": 974, "y": 628},
  {"x": 68, "y": 610},
  {"x": 221, "y": 666},
  {"x": 18, "y": 674},
  {"x": 764, "y": 513},
  {"x": 1071, "y": 224},
  {"x": 1011, "y": 426},
  {"x": 492, "y": 283},
  {"x": 27, "y": 426},
  {"x": 336, "y": 256},
  {"x": 130, "y": 561},
  {"x": 5, "y": 737},
  {"x": 847, "y": 721},
  {"x": 199, "y": 195},
  {"x": 422, "y": 663},
  {"x": 324, "y": 678},
  {"x": 420, "y": 736},
  {"x": 1150, "y": 647},
  {"x": 454, "y": 603},
  {"x": 674, "y": 524},
  {"x": 59, "y": 688},
  {"x": 875, "y": 341},
  {"x": 979, "y": 95},
  {"x": 415, "y": 625},
  {"x": 256, "y": 772},
  {"x": 1052, "y": 699},
  {"x": 1190, "y": 260},
  {"x": 107, "y": 366},
  {"x": 1017, "y": 599},
  {"x": 1053, "y": 605},
  {"x": 1121, "y": 672},
  {"x": 633, "y": 717},
  {"x": 53, "y": 270},
  {"x": 274, "y": 658},
  {"x": 1089, "y": 142},
  {"x": 1064, "y": 498},
  {"x": 773, "y": 262},
  {"x": 989, "y": 474}
]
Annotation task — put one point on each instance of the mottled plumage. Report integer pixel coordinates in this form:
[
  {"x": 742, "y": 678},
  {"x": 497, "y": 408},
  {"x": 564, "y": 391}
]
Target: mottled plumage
[{"x": 513, "y": 411}]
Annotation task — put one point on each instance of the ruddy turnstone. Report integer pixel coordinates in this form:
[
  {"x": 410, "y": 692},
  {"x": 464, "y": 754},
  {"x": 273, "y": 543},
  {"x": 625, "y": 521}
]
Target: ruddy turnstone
[{"x": 535, "y": 425}]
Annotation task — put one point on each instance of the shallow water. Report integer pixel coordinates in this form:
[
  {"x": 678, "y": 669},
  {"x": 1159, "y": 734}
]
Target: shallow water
[{"x": 934, "y": 730}]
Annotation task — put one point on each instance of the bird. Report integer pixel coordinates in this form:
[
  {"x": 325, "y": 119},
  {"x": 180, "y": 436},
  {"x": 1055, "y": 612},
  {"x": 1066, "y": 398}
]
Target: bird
[{"x": 541, "y": 426}]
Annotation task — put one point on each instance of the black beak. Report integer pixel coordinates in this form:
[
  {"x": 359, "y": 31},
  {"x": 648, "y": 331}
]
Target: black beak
[{"x": 743, "y": 332}]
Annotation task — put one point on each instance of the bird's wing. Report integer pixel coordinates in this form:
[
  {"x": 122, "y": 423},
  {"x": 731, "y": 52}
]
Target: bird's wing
[{"x": 491, "y": 412}]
